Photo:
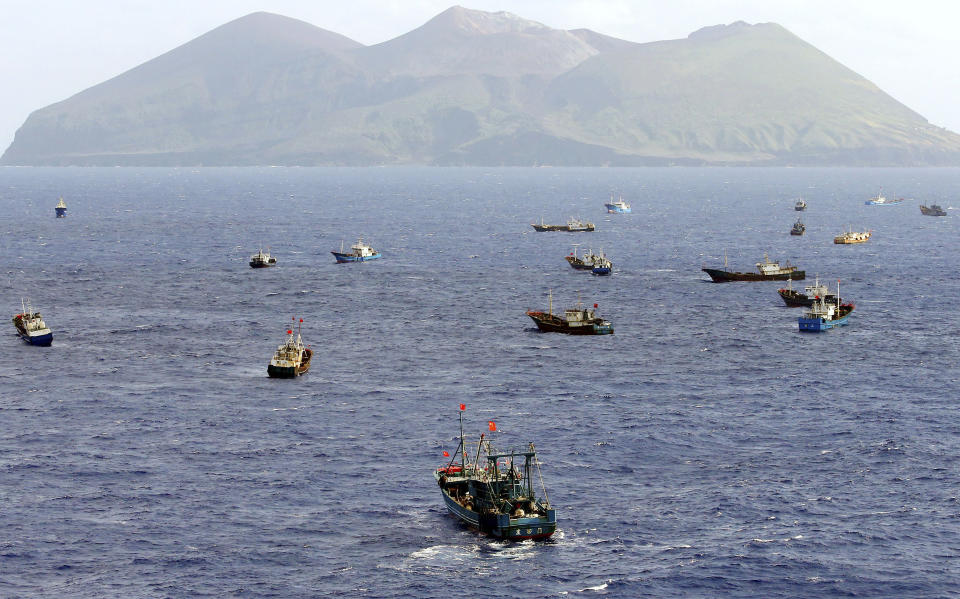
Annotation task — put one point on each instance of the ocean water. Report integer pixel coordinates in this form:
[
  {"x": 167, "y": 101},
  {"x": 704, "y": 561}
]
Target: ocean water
[{"x": 705, "y": 449}]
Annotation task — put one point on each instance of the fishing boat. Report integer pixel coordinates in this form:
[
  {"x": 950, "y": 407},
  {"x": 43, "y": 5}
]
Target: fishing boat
[
  {"x": 601, "y": 265},
  {"x": 798, "y": 228},
  {"x": 824, "y": 314},
  {"x": 61, "y": 209},
  {"x": 262, "y": 259},
  {"x": 810, "y": 293},
  {"x": 574, "y": 225},
  {"x": 881, "y": 200},
  {"x": 932, "y": 210},
  {"x": 584, "y": 262},
  {"x": 618, "y": 207},
  {"x": 574, "y": 321},
  {"x": 359, "y": 252},
  {"x": 851, "y": 236},
  {"x": 766, "y": 271},
  {"x": 800, "y": 206},
  {"x": 493, "y": 491},
  {"x": 291, "y": 359},
  {"x": 31, "y": 326}
]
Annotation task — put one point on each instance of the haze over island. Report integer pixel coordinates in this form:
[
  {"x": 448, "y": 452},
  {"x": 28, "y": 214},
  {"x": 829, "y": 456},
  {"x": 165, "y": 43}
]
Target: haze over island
[{"x": 479, "y": 88}]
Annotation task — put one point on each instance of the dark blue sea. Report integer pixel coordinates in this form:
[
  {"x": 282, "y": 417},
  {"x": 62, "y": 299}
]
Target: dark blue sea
[{"x": 706, "y": 449}]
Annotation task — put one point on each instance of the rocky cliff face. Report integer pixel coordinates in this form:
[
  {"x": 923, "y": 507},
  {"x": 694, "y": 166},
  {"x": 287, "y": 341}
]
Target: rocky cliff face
[{"x": 470, "y": 87}]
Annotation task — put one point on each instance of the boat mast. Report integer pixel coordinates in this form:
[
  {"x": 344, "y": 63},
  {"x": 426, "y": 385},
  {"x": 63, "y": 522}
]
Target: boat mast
[
  {"x": 550, "y": 304},
  {"x": 543, "y": 487},
  {"x": 476, "y": 460},
  {"x": 463, "y": 449}
]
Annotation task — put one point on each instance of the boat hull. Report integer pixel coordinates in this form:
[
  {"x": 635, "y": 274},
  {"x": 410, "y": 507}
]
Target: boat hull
[
  {"x": 546, "y": 228},
  {"x": 886, "y": 203},
  {"x": 614, "y": 209},
  {"x": 724, "y": 276},
  {"x": 289, "y": 372},
  {"x": 44, "y": 340},
  {"x": 601, "y": 270},
  {"x": 795, "y": 299},
  {"x": 502, "y": 526},
  {"x": 262, "y": 264},
  {"x": 553, "y": 324},
  {"x": 817, "y": 325},
  {"x": 932, "y": 211},
  {"x": 343, "y": 258},
  {"x": 61, "y": 212}
]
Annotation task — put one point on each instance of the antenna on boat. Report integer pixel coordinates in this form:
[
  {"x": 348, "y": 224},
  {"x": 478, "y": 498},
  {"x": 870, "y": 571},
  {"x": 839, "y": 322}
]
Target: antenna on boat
[{"x": 550, "y": 304}]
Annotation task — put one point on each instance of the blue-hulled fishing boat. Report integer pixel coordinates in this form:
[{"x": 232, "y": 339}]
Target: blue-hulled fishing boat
[
  {"x": 61, "y": 209},
  {"x": 881, "y": 200},
  {"x": 618, "y": 207},
  {"x": 601, "y": 264},
  {"x": 494, "y": 493},
  {"x": 31, "y": 327},
  {"x": 824, "y": 315},
  {"x": 359, "y": 252}
]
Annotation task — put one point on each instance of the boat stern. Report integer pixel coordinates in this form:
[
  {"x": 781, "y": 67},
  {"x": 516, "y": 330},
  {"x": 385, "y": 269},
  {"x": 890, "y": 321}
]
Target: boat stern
[{"x": 41, "y": 340}]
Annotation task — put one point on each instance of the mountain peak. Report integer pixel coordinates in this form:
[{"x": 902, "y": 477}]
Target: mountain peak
[
  {"x": 715, "y": 32},
  {"x": 266, "y": 27},
  {"x": 478, "y": 22}
]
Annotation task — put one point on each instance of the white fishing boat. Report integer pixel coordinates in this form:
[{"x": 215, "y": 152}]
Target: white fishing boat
[{"x": 31, "y": 326}]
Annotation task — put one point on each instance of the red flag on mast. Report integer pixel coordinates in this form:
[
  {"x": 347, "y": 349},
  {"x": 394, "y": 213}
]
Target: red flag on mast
[
  {"x": 289, "y": 332},
  {"x": 446, "y": 455},
  {"x": 492, "y": 425},
  {"x": 463, "y": 407}
]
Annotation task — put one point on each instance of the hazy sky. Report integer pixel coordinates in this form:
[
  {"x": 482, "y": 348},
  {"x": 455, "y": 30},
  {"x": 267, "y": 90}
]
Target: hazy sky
[{"x": 52, "y": 49}]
